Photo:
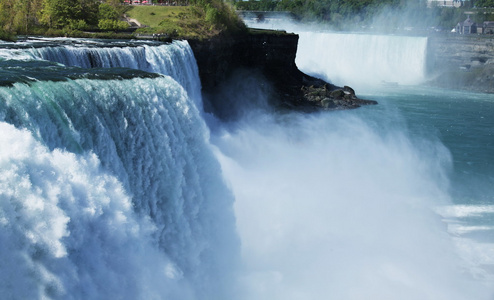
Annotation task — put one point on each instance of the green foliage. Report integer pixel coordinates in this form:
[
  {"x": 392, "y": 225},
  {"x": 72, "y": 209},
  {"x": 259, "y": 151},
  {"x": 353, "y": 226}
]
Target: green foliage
[
  {"x": 212, "y": 14},
  {"x": 329, "y": 10},
  {"x": 78, "y": 25},
  {"x": 112, "y": 25},
  {"x": 201, "y": 19},
  {"x": 59, "y": 13},
  {"x": 36, "y": 16},
  {"x": 484, "y": 3},
  {"x": 6, "y": 36},
  {"x": 66, "y": 13},
  {"x": 90, "y": 9},
  {"x": 107, "y": 12},
  {"x": 381, "y": 15},
  {"x": 18, "y": 15},
  {"x": 220, "y": 15},
  {"x": 262, "y": 5}
]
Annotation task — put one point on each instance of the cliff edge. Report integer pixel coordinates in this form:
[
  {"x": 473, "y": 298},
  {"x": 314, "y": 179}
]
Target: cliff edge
[{"x": 272, "y": 54}]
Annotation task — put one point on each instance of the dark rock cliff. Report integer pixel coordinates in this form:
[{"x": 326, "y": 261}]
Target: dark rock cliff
[{"x": 271, "y": 54}]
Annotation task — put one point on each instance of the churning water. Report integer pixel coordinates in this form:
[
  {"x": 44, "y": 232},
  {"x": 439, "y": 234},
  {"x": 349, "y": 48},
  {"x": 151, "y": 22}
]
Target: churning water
[
  {"x": 113, "y": 186},
  {"x": 109, "y": 186},
  {"x": 393, "y": 201}
]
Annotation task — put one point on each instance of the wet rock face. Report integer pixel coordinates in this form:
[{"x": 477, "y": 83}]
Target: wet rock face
[
  {"x": 218, "y": 58},
  {"x": 272, "y": 54}
]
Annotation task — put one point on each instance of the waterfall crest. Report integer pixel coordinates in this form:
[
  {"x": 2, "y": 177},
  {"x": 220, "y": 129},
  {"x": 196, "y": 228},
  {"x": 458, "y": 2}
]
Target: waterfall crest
[{"x": 175, "y": 59}]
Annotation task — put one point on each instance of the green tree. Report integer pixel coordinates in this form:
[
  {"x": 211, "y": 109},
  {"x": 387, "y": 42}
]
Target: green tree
[
  {"x": 19, "y": 15},
  {"x": 90, "y": 9},
  {"x": 484, "y": 3},
  {"x": 59, "y": 13},
  {"x": 63, "y": 13},
  {"x": 107, "y": 12},
  {"x": 26, "y": 14},
  {"x": 6, "y": 9}
]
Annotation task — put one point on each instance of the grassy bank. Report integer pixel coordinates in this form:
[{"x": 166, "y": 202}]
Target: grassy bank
[
  {"x": 202, "y": 20},
  {"x": 152, "y": 16},
  {"x": 174, "y": 21}
]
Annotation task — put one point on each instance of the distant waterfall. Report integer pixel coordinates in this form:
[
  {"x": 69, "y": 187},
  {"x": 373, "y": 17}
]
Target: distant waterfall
[
  {"x": 109, "y": 189},
  {"x": 363, "y": 59}
]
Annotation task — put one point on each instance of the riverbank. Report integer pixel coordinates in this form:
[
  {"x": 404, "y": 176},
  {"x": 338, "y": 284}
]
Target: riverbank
[{"x": 462, "y": 62}]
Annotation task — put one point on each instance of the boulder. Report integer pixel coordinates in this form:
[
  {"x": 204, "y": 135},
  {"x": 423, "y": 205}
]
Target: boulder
[
  {"x": 338, "y": 94},
  {"x": 327, "y": 103},
  {"x": 349, "y": 90}
]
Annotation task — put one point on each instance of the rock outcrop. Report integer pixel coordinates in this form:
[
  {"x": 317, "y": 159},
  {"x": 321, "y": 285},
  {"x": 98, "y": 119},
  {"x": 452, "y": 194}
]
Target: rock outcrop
[
  {"x": 329, "y": 98},
  {"x": 272, "y": 53}
]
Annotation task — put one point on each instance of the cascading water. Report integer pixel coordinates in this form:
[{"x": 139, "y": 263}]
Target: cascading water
[
  {"x": 109, "y": 188},
  {"x": 363, "y": 60},
  {"x": 175, "y": 59}
]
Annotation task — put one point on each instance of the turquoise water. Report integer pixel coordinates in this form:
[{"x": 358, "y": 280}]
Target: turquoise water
[
  {"x": 396, "y": 176},
  {"x": 464, "y": 123},
  {"x": 109, "y": 188},
  {"x": 113, "y": 185}
]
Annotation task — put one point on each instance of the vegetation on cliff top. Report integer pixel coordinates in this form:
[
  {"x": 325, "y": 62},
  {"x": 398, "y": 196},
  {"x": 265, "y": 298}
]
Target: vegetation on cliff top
[
  {"x": 201, "y": 18},
  {"x": 60, "y": 17}
]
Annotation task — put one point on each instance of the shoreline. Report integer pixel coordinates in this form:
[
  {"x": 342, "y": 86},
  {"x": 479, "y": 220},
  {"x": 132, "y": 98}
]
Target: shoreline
[{"x": 463, "y": 62}]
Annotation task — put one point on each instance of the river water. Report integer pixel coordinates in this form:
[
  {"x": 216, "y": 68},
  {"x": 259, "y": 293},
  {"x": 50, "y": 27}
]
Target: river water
[
  {"x": 115, "y": 183},
  {"x": 384, "y": 180}
]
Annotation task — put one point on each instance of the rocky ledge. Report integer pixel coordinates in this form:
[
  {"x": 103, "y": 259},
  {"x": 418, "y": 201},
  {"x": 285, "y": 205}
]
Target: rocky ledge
[
  {"x": 329, "y": 97},
  {"x": 273, "y": 54}
]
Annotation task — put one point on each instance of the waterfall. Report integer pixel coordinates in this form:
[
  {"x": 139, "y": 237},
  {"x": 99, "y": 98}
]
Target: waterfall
[
  {"x": 109, "y": 188},
  {"x": 363, "y": 59},
  {"x": 175, "y": 59}
]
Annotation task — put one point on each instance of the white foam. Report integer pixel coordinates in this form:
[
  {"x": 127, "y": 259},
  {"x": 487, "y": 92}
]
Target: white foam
[
  {"x": 68, "y": 230},
  {"x": 463, "y": 211}
]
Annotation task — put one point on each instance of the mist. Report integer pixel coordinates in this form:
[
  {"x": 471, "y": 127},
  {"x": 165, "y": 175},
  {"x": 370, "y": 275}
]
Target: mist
[
  {"x": 338, "y": 207},
  {"x": 344, "y": 205}
]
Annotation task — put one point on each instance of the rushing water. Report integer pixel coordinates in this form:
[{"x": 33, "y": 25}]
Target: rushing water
[
  {"x": 109, "y": 187},
  {"x": 114, "y": 187}
]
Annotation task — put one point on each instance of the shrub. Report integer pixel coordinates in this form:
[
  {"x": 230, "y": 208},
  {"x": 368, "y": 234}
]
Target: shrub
[
  {"x": 78, "y": 25},
  {"x": 109, "y": 25},
  {"x": 7, "y": 36}
]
